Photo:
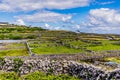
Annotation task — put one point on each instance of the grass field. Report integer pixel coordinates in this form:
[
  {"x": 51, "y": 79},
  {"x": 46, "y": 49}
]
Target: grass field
[
  {"x": 106, "y": 45},
  {"x": 13, "y": 49},
  {"x": 74, "y": 46}
]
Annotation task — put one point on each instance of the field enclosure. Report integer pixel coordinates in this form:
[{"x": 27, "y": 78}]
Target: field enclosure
[
  {"x": 13, "y": 49},
  {"x": 42, "y": 42},
  {"x": 72, "y": 46}
]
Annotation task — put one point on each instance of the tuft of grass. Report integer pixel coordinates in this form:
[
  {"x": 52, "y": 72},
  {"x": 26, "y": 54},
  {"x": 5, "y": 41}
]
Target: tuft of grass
[
  {"x": 113, "y": 59},
  {"x": 8, "y": 76}
]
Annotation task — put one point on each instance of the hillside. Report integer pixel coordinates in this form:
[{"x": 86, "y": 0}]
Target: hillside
[
  {"x": 22, "y": 42},
  {"x": 43, "y": 41}
]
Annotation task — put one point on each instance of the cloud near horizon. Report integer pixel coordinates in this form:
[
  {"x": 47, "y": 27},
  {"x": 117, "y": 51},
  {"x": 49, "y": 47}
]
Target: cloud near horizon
[{"x": 19, "y": 22}]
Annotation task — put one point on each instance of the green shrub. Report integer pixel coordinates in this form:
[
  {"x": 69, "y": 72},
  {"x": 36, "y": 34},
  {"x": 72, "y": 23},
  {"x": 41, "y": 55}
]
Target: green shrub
[
  {"x": 2, "y": 36},
  {"x": 16, "y": 37},
  {"x": 31, "y": 36},
  {"x": 17, "y": 63}
]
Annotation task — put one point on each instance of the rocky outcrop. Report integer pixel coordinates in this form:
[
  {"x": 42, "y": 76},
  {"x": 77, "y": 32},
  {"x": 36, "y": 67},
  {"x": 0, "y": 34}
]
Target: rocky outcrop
[{"x": 84, "y": 71}]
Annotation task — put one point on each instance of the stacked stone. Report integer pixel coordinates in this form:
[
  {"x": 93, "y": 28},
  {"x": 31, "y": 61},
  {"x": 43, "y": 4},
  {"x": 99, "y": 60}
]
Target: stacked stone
[
  {"x": 8, "y": 65},
  {"x": 84, "y": 71}
]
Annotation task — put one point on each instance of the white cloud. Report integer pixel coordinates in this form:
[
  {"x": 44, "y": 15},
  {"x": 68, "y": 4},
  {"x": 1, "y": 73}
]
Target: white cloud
[
  {"x": 103, "y": 2},
  {"x": 47, "y": 26},
  {"x": 28, "y": 5},
  {"x": 109, "y": 2},
  {"x": 45, "y": 16},
  {"x": 103, "y": 19},
  {"x": 20, "y": 22},
  {"x": 77, "y": 26},
  {"x": 64, "y": 19}
]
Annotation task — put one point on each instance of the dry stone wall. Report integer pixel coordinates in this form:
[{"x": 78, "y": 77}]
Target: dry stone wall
[{"x": 73, "y": 68}]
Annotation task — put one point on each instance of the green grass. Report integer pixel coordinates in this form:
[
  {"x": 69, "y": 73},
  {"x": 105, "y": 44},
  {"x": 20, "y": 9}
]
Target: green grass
[
  {"x": 72, "y": 46},
  {"x": 13, "y": 53},
  {"x": 52, "y": 48},
  {"x": 106, "y": 45},
  {"x": 13, "y": 49},
  {"x": 55, "y": 50},
  {"x": 42, "y": 76},
  {"x": 14, "y": 45},
  {"x": 9, "y": 76},
  {"x": 35, "y": 76}
]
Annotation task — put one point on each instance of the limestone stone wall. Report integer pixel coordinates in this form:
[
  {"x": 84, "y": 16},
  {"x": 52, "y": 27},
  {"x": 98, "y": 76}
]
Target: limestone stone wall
[{"x": 73, "y": 68}]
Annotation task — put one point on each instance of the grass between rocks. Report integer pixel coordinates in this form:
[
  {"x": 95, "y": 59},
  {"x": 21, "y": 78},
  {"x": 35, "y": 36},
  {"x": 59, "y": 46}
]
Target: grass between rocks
[
  {"x": 35, "y": 76},
  {"x": 113, "y": 59}
]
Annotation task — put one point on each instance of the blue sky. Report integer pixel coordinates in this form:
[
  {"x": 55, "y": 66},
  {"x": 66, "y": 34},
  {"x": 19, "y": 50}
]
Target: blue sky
[{"x": 94, "y": 16}]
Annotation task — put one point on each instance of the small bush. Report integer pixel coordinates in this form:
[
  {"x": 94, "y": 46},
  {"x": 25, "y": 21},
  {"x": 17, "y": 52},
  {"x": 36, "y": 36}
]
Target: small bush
[
  {"x": 31, "y": 37},
  {"x": 16, "y": 37},
  {"x": 17, "y": 63}
]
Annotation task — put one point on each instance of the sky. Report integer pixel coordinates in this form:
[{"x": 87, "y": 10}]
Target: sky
[{"x": 91, "y": 16}]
